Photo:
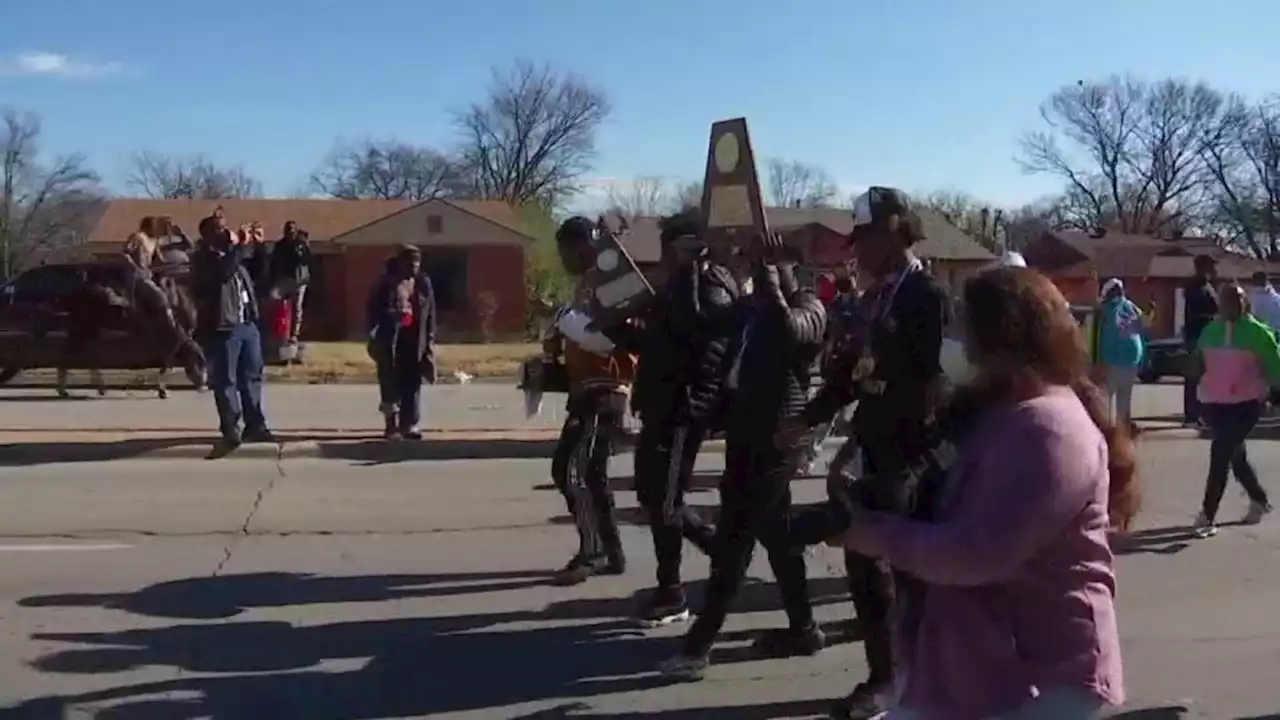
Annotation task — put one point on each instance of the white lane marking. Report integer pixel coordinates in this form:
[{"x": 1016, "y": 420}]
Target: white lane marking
[{"x": 63, "y": 548}]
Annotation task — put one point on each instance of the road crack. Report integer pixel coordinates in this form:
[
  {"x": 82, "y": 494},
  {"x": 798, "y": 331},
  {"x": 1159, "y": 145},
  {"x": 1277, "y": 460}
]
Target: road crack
[{"x": 244, "y": 531}]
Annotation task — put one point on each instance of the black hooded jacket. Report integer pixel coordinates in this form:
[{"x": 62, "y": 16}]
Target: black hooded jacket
[
  {"x": 783, "y": 330},
  {"x": 901, "y": 393},
  {"x": 683, "y": 340}
]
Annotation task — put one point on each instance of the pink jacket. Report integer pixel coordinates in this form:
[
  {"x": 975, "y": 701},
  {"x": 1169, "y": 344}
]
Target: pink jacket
[{"x": 1021, "y": 585}]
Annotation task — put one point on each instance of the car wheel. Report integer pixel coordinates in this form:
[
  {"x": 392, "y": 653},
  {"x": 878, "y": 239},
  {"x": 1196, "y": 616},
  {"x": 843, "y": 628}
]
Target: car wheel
[
  {"x": 8, "y": 374},
  {"x": 1149, "y": 376}
]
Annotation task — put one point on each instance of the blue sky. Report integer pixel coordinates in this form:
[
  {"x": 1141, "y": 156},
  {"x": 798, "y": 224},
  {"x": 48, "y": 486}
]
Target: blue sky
[{"x": 920, "y": 94}]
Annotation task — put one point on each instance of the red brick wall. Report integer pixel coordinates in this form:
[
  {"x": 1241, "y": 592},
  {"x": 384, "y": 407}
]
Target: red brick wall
[
  {"x": 497, "y": 269},
  {"x": 1084, "y": 291}
]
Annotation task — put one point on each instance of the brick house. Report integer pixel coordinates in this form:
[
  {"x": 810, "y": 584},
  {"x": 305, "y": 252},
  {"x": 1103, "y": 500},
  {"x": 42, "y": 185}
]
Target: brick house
[
  {"x": 1153, "y": 269},
  {"x": 474, "y": 252}
]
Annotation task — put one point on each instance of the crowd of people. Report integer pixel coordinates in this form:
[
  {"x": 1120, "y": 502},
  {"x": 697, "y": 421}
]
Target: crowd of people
[
  {"x": 976, "y": 521},
  {"x": 976, "y": 525},
  {"x": 234, "y": 275}
]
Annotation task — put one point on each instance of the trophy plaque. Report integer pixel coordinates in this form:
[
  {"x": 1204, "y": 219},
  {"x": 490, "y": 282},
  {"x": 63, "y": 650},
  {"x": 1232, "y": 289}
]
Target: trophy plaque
[
  {"x": 618, "y": 288},
  {"x": 731, "y": 200}
]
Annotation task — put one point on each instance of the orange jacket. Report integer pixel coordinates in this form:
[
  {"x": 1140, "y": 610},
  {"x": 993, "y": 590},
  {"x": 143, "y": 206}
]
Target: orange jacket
[{"x": 588, "y": 370}]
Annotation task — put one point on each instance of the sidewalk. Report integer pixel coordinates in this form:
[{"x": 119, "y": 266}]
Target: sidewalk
[{"x": 327, "y": 422}]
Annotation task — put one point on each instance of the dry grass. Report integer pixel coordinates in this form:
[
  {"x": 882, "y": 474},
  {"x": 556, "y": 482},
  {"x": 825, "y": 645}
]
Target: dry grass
[{"x": 347, "y": 361}]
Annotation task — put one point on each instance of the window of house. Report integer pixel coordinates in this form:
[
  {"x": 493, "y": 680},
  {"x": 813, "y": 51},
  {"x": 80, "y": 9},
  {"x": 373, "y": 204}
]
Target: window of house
[
  {"x": 447, "y": 268},
  {"x": 435, "y": 224}
]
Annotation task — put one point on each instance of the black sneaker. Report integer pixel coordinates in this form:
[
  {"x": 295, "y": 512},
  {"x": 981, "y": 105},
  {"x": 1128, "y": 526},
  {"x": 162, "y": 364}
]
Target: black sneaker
[
  {"x": 580, "y": 569},
  {"x": 259, "y": 435},
  {"x": 685, "y": 667},
  {"x": 790, "y": 642},
  {"x": 614, "y": 565},
  {"x": 866, "y": 701},
  {"x": 664, "y": 606}
]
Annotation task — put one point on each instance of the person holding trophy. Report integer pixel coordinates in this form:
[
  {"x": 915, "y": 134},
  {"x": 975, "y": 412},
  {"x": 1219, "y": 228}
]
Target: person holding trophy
[
  {"x": 683, "y": 339},
  {"x": 600, "y": 376}
]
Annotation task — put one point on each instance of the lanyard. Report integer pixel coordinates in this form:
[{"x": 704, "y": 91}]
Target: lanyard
[{"x": 884, "y": 300}]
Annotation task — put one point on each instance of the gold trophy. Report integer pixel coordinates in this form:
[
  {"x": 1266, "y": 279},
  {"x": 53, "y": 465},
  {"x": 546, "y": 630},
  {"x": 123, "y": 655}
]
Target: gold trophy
[{"x": 731, "y": 200}]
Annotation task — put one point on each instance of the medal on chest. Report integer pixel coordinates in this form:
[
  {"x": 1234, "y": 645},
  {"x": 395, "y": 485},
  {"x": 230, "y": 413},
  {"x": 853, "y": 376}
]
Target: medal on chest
[{"x": 864, "y": 367}]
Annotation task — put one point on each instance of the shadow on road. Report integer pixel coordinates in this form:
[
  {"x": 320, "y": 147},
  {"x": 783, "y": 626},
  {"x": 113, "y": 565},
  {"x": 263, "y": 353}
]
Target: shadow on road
[
  {"x": 1172, "y": 712},
  {"x": 26, "y": 454},
  {"x": 1153, "y": 541},
  {"x": 373, "y": 452},
  {"x": 409, "y": 667},
  {"x": 205, "y": 598},
  {"x": 769, "y": 711}
]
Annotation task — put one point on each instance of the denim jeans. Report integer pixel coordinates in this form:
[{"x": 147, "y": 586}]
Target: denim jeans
[
  {"x": 235, "y": 376},
  {"x": 400, "y": 386},
  {"x": 1060, "y": 703}
]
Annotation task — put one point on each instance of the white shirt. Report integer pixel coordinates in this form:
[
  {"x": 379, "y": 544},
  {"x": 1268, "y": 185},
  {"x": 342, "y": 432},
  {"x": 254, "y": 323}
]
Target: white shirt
[{"x": 1265, "y": 302}]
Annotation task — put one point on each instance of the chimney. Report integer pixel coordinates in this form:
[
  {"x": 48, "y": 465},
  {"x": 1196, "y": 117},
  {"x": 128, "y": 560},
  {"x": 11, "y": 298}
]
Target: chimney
[
  {"x": 985, "y": 216},
  {"x": 796, "y": 204}
]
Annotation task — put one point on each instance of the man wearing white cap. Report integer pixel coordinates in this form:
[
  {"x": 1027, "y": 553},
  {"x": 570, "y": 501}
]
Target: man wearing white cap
[
  {"x": 1120, "y": 347},
  {"x": 897, "y": 380}
]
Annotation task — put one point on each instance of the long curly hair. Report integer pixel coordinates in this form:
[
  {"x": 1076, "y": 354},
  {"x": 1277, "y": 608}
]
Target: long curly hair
[{"x": 1018, "y": 322}]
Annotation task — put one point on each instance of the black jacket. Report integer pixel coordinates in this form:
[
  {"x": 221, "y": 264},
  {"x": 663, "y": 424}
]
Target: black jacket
[
  {"x": 683, "y": 340},
  {"x": 783, "y": 331},
  {"x": 901, "y": 394},
  {"x": 1200, "y": 305},
  {"x": 222, "y": 286},
  {"x": 290, "y": 260},
  {"x": 383, "y": 318}
]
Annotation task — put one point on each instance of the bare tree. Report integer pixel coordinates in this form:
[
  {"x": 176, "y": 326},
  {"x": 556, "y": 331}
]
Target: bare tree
[
  {"x": 387, "y": 170},
  {"x": 688, "y": 194},
  {"x": 791, "y": 183},
  {"x": 1130, "y": 153},
  {"x": 44, "y": 207},
  {"x": 981, "y": 221},
  {"x": 647, "y": 196},
  {"x": 188, "y": 178},
  {"x": 1243, "y": 160},
  {"x": 533, "y": 137}
]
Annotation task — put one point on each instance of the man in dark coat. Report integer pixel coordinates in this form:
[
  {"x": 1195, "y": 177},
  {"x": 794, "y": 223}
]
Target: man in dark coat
[
  {"x": 896, "y": 377},
  {"x": 683, "y": 341},
  {"x": 1200, "y": 305},
  {"x": 290, "y": 273},
  {"x": 227, "y": 317},
  {"x": 401, "y": 313},
  {"x": 779, "y": 338}
]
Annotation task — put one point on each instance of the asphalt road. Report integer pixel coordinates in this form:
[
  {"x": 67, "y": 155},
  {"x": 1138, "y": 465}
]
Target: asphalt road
[{"x": 336, "y": 591}]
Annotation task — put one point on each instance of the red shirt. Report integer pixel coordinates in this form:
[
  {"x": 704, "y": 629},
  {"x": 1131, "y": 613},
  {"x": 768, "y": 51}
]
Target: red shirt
[{"x": 827, "y": 289}]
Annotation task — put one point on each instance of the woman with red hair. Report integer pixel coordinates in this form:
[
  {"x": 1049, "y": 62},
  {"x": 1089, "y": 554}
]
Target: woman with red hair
[{"x": 1017, "y": 614}]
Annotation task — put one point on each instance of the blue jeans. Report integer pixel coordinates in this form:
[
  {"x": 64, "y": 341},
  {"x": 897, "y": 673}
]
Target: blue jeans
[
  {"x": 400, "y": 386},
  {"x": 1057, "y": 703},
  {"x": 235, "y": 376}
]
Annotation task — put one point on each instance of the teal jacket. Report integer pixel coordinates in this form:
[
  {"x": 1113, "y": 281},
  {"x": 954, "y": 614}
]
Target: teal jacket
[{"x": 1120, "y": 334}]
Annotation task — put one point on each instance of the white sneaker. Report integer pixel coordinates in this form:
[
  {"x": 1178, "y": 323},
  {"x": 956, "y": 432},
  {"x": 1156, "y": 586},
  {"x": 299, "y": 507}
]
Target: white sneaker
[
  {"x": 1257, "y": 511},
  {"x": 1204, "y": 527}
]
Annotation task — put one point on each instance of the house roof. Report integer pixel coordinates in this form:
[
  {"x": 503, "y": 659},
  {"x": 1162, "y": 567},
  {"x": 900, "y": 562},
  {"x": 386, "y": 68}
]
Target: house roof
[
  {"x": 1079, "y": 254},
  {"x": 944, "y": 240},
  {"x": 325, "y": 219}
]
